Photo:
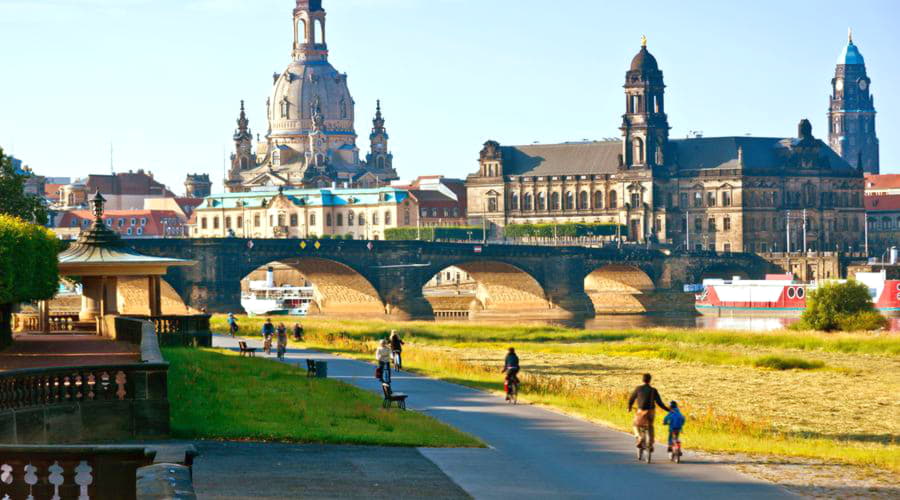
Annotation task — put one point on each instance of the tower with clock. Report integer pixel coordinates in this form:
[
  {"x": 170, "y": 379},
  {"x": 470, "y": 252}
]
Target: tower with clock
[{"x": 851, "y": 115}]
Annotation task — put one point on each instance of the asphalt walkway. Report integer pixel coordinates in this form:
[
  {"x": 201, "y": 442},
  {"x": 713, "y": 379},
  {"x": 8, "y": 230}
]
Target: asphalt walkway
[{"x": 535, "y": 452}]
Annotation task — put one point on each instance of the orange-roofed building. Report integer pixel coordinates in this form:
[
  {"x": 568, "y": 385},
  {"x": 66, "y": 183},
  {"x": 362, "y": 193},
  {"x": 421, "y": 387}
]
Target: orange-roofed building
[
  {"x": 882, "y": 184},
  {"x": 127, "y": 223}
]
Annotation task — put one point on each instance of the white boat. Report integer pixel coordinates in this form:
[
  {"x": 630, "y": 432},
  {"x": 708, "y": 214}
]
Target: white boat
[{"x": 266, "y": 299}]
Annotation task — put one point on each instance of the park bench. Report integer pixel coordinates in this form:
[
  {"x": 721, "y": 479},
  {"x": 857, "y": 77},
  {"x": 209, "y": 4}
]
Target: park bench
[
  {"x": 249, "y": 351},
  {"x": 390, "y": 397},
  {"x": 310, "y": 368}
]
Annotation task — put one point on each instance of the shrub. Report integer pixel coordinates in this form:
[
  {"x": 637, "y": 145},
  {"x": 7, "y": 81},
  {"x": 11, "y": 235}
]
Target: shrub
[
  {"x": 571, "y": 229},
  {"x": 838, "y": 306},
  {"x": 433, "y": 233},
  {"x": 28, "y": 267}
]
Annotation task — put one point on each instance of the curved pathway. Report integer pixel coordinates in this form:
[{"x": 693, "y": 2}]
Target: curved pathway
[{"x": 535, "y": 452}]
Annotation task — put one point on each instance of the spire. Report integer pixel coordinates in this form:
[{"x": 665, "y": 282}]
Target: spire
[
  {"x": 849, "y": 35},
  {"x": 243, "y": 130},
  {"x": 378, "y": 122}
]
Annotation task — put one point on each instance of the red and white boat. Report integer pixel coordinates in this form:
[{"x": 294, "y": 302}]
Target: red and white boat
[{"x": 780, "y": 295}]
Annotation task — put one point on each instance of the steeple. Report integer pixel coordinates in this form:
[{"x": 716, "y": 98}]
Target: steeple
[
  {"x": 243, "y": 130},
  {"x": 645, "y": 127},
  {"x": 851, "y": 112},
  {"x": 378, "y": 156},
  {"x": 309, "y": 31},
  {"x": 243, "y": 157}
]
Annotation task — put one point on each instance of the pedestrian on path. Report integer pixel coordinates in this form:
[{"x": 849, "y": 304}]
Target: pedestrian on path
[
  {"x": 282, "y": 340},
  {"x": 383, "y": 357},
  {"x": 232, "y": 324},
  {"x": 396, "y": 349},
  {"x": 298, "y": 332}
]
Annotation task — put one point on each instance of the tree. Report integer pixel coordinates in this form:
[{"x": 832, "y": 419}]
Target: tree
[
  {"x": 13, "y": 200},
  {"x": 841, "y": 306},
  {"x": 29, "y": 269}
]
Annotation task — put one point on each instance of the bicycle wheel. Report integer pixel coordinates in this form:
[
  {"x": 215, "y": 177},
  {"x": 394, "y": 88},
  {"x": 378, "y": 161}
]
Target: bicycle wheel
[{"x": 514, "y": 396}]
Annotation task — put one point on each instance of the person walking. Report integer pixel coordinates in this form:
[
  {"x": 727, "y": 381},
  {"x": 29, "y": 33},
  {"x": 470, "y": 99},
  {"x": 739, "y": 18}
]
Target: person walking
[
  {"x": 282, "y": 340},
  {"x": 298, "y": 332},
  {"x": 232, "y": 324},
  {"x": 647, "y": 399},
  {"x": 383, "y": 357},
  {"x": 396, "y": 349}
]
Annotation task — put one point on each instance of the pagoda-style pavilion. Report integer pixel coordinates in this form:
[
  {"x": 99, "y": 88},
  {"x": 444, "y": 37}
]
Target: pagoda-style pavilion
[{"x": 99, "y": 257}]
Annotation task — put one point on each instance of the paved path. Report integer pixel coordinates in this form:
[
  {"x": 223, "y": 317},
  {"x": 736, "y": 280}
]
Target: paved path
[{"x": 540, "y": 453}]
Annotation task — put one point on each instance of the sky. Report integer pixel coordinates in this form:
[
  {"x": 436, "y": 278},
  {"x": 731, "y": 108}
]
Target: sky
[{"x": 161, "y": 80}]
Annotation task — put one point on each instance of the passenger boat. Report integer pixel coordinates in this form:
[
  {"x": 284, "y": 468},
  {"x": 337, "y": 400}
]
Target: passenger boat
[
  {"x": 780, "y": 295},
  {"x": 264, "y": 298}
]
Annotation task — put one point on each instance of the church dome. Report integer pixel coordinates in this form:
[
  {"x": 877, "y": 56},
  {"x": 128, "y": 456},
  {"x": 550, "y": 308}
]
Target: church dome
[
  {"x": 850, "y": 55},
  {"x": 304, "y": 87},
  {"x": 644, "y": 61}
]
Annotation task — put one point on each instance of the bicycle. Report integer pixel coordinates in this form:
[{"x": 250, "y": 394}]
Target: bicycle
[
  {"x": 398, "y": 362},
  {"x": 675, "y": 447},
  {"x": 644, "y": 433},
  {"x": 512, "y": 391},
  {"x": 267, "y": 345}
]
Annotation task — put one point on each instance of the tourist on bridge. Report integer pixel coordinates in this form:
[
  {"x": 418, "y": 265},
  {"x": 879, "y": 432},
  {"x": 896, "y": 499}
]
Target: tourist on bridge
[
  {"x": 282, "y": 340},
  {"x": 396, "y": 349},
  {"x": 383, "y": 356}
]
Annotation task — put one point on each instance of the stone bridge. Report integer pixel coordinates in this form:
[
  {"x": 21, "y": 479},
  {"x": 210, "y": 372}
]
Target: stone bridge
[{"x": 385, "y": 278}]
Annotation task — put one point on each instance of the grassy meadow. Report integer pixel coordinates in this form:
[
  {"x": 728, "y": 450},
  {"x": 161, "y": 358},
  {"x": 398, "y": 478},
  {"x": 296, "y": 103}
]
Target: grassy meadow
[
  {"x": 217, "y": 395},
  {"x": 824, "y": 396}
]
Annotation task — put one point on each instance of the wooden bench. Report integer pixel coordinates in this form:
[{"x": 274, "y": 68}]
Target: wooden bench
[
  {"x": 249, "y": 351},
  {"x": 390, "y": 397}
]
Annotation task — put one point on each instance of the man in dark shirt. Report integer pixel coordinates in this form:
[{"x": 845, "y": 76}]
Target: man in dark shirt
[
  {"x": 511, "y": 365},
  {"x": 647, "y": 399}
]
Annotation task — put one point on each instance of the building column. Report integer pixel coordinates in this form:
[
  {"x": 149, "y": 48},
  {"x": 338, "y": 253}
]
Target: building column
[
  {"x": 91, "y": 290},
  {"x": 111, "y": 299},
  {"x": 154, "y": 295},
  {"x": 44, "y": 310}
]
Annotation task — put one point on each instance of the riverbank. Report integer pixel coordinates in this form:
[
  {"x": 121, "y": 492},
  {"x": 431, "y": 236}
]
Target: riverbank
[{"x": 821, "y": 396}]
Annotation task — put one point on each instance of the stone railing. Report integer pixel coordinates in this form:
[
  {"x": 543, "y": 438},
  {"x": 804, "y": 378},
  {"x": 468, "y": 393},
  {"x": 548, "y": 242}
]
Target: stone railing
[
  {"x": 89, "y": 403},
  {"x": 182, "y": 330},
  {"x": 70, "y": 472},
  {"x": 58, "y": 322}
]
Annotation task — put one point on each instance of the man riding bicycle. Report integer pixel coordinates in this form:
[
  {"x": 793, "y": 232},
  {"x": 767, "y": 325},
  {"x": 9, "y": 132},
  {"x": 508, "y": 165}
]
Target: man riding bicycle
[
  {"x": 511, "y": 368},
  {"x": 647, "y": 399}
]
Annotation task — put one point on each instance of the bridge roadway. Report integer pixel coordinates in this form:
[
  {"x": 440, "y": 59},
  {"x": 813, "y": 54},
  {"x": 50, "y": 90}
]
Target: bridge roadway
[
  {"x": 385, "y": 278},
  {"x": 538, "y": 453}
]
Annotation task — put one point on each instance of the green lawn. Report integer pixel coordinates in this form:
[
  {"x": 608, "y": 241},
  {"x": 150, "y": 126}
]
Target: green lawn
[{"x": 215, "y": 394}]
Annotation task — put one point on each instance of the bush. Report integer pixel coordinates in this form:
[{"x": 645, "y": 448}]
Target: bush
[
  {"x": 433, "y": 233},
  {"x": 570, "y": 230},
  {"x": 840, "y": 306},
  {"x": 782, "y": 363},
  {"x": 29, "y": 269}
]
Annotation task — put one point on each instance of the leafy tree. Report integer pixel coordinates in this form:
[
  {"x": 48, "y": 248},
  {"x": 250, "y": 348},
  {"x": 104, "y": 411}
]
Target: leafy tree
[
  {"x": 29, "y": 269},
  {"x": 841, "y": 306},
  {"x": 13, "y": 200}
]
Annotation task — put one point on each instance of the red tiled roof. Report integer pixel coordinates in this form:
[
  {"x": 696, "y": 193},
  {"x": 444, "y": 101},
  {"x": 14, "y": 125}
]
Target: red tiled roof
[
  {"x": 51, "y": 191},
  {"x": 883, "y": 203},
  {"x": 154, "y": 225},
  {"x": 883, "y": 181}
]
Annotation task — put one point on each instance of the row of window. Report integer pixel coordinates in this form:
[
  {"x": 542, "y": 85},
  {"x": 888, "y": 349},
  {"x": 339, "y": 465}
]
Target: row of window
[
  {"x": 283, "y": 220},
  {"x": 711, "y": 225},
  {"x": 539, "y": 201},
  {"x": 434, "y": 212},
  {"x": 884, "y": 224},
  {"x": 806, "y": 198},
  {"x": 109, "y": 222}
]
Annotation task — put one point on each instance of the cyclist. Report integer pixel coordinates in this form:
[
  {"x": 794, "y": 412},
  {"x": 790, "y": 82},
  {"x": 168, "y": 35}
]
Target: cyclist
[
  {"x": 647, "y": 399},
  {"x": 268, "y": 329},
  {"x": 675, "y": 421},
  {"x": 511, "y": 368},
  {"x": 397, "y": 349}
]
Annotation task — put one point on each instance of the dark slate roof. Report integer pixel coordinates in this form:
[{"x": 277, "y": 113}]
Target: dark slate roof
[
  {"x": 593, "y": 158},
  {"x": 562, "y": 159}
]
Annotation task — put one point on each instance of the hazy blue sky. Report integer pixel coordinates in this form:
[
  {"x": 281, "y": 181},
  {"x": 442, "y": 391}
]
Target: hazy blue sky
[{"x": 161, "y": 79}]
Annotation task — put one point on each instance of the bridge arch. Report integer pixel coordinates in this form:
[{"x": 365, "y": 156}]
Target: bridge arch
[
  {"x": 484, "y": 287},
  {"x": 338, "y": 289},
  {"x": 619, "y": 289}
]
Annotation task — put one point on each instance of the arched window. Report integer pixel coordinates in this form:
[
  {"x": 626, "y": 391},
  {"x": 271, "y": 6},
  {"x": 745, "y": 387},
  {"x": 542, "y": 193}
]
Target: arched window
[
  {"x": 327, "y": 220},
  {"x": 362, "y": 219},
  {"x": 527, "y": 202},
  {"x": 276, "y": 157},
  {"x": 312, "y": 219},
  {"x": 350, "y": 219},
  {"x": 387, "y": 218},
  {"x": 286, "y": 109},
  {"x": 638, "y": 151},
  {"x": 380, "y": 162},
  {"x": 886, "y": 223},
  {"x": 514, "y": 201},
  {"x": 542, "y": 201},
  {"x": 636, "y": 200},
  {"x": 320, "y": 33},
  {"x": 244, "y": 163},
  {"x": 613, "y": 199},
  {"x": 598, "y": 199},
  {"x": 584, "y": 201},
  {"x": 554, "y": 201},
  {"x": 570, "y": 200}
]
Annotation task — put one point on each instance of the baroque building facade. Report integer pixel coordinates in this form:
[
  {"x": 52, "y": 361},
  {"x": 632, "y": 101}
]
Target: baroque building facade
[
  {"x": 851, "y": 114},
  {"x": 311, "y": 139},
  {"x": 726, "y": 194}
]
